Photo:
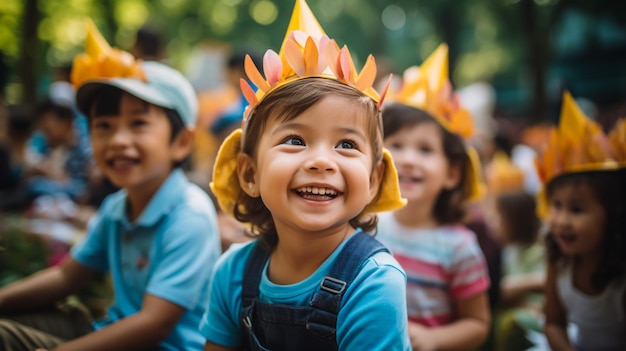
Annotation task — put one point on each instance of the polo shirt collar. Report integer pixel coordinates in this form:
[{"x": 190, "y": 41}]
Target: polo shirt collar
[{"x": 162, "y": 201}]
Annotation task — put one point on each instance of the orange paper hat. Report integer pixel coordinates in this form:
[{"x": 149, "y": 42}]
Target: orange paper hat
[
  {"x": 503, "y": 176},
  {"x": 428, "y": 88},
  {"x": 100, "y": 60},
  {"x": 579, "y": 145},
  {"x": 306, "y": 52}
]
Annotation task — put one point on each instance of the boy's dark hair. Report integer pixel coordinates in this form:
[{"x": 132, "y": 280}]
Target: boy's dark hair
[
  {"x": 284, "y": 104},
  {"x": 20, "y": 121},
  {"x": 609, "y": 190},
  {"x": 107, "y": 102},
  {"x": 519, "y": 217},
  {"x": 59, "y": 111},
  {"x": 149, "y": 40},
  {"x": 449, "y": 206}
]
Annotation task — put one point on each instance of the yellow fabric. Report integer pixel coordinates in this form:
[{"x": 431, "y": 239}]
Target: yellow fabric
[{"x": 227, "y": 190}]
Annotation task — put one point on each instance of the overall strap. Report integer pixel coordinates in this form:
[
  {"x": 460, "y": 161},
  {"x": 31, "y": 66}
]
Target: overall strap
[
  {"x": 327, "y": 300},
  {"x": 252, "y": 273}
]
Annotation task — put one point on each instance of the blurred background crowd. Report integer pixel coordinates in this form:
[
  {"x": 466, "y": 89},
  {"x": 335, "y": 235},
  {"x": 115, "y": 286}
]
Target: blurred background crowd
[{"x": 510, "y": 61}]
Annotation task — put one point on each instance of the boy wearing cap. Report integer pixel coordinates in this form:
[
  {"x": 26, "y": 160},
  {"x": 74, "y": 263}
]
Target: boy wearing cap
[{"x": 157, "y": 236}]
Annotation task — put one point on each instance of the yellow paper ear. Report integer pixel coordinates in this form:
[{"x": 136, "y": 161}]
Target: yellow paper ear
[
  {"x": 225, "y": 184},
  {"x": 474, "y": 186},
  {"x": 389, "y": 197}
]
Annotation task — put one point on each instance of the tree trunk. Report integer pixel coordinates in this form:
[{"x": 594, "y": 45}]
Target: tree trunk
[
  {"x": 29, "y": 52},
  {"x": 537, "y": 40}
]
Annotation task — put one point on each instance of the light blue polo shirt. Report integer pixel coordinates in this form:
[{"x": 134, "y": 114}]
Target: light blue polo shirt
[{"x": 169, "y": 252}]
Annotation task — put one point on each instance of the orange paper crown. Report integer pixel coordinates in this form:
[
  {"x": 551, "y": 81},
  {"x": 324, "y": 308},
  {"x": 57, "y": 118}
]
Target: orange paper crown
[
  {"x": 504, "y": 176},
  {"x": 428, "y": 87},
  {"x": 578, "y": 144},
  {"x": 307, "y": 52},
  {"x": 617, "y": 142},
  {"x": 100, "y": 60}
]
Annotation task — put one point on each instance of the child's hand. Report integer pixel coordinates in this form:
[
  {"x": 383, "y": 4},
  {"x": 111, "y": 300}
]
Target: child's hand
[{"x": 421, "y": 338}]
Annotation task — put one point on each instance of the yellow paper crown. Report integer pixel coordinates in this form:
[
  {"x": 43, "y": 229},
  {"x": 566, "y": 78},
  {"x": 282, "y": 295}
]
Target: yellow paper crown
[
  {"x": 428, "y": 87},
  {"x": 100, "y": 60},
  {"x": 617, "y": 142},
  {"x": 577, "y": 145},
  {"x": 504, "y": 176},
  {"x": 307, "y": 52}
]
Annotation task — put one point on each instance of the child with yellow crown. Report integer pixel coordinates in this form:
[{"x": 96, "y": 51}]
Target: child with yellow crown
[
  {"x": 447, "y": 279},
  {"x": 157, "y": 236},
  {"x": 513, "y": 218},
  {"x": 307, "y": 172},
  {"x": 584, "y": 206}
]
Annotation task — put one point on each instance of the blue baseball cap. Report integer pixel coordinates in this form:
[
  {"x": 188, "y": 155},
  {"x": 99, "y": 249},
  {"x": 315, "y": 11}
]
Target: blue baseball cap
[{"x": 164, "y": 87}]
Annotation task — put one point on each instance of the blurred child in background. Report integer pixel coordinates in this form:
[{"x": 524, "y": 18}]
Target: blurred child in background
[
  {"x": 584, "y": 203},
  {"x": 447, "y": 279},
  {"x": 516, "y": 227}
]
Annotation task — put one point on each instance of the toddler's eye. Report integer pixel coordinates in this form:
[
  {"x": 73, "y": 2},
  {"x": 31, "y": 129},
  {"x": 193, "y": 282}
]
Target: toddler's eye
[
  {"x": 577, "y": 209},
  {"x": 100, "y": 125},
  {"x": 294, "y": 140},
  {"x": 425, "y": 149},
  {"x": 346, "y": 144},
  {"x": 395, "y": 146},
  {"x": 138, "y": 123}
]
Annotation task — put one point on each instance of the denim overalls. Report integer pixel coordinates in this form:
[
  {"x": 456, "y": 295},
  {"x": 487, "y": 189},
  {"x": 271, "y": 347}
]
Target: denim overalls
[{"x": 283, "y": 327}]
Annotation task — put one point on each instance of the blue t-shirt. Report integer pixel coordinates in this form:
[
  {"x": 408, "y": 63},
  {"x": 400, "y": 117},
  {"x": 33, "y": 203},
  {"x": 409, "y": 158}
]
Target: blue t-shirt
[
  {"x": 373, "y": 310},
  {"x": 169, "y": 252}
]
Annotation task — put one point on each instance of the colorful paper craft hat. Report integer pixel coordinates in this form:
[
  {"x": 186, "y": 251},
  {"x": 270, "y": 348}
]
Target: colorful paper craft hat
[
  {"x": 428, "y": 88},
  {"x": 579, "y": 145},
  {"x": 503, "y": 176},
  {"x": 152, "y": 82},
  {"x": 306, "y": 52}
]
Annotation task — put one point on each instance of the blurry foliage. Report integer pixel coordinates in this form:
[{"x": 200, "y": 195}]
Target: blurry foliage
[
  {"x": 20, "y": 254},
  {"x": 488, "y": 39}
]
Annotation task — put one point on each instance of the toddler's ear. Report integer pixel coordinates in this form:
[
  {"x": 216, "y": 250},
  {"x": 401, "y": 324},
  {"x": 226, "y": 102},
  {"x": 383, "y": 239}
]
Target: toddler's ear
[
  {"x": 246, "y": 172},
  {"x": 454, "y": 177},
  {"x": 182, "y": 144}
]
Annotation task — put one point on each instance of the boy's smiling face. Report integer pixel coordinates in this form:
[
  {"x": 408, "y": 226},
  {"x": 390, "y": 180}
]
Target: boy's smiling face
[
  {"x": 314, "y": 172},
  {"x": 134, "y": 148}
]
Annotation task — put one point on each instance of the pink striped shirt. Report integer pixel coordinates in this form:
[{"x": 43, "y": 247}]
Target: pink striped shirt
[{"x": 442, "y": 265}]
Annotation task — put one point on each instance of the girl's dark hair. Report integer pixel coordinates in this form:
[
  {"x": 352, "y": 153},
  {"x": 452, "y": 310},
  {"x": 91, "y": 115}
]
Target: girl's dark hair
[
  {"x": 609, "y": 190},
  {"x": 518, "y": 211},
  {"x": 106, "y": 102},
  {"x": 284, "y": 104},
  {"x": 449, "y": 206}
]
